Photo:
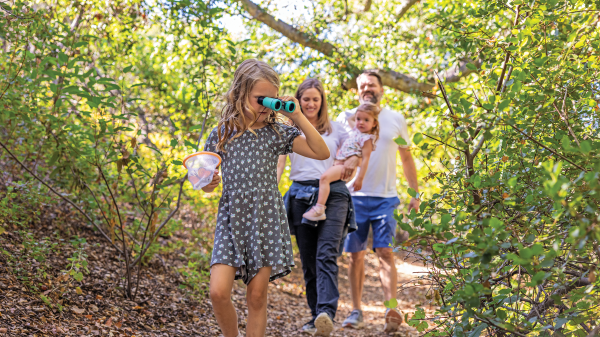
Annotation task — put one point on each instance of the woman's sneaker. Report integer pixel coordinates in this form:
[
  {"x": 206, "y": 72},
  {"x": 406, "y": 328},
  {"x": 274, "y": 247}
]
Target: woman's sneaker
[
  {"x": 316, "y": 213},
  {"x": 354, "y": 320},
  {"x": 324, "y": 325},
  {"x": 393, "y": 319},
  {"x": 309, "y": 327}
]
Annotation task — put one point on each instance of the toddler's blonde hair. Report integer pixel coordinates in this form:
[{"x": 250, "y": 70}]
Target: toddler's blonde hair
[
  {"x": 373, "y": 110},
  {"x": 233, "y": 119}
]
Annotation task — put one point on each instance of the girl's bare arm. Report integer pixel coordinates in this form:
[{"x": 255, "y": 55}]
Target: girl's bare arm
[
  {"x": 367, "y": 149},
  {"x": 280, "y": 167}
]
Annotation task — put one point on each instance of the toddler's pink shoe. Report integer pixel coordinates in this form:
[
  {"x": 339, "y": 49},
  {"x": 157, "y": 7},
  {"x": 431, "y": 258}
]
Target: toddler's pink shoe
[{"x": 316, "y": 213}]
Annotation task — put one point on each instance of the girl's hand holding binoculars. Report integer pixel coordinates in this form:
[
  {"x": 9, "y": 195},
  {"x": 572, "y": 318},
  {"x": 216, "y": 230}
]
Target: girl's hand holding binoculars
[{"x": 291, "y": 115}]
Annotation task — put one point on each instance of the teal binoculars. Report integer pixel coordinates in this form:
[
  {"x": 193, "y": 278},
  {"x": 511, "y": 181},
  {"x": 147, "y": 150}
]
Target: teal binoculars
[{"x": 276, "y": 104}]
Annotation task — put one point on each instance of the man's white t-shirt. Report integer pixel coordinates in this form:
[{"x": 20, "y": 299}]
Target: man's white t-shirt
[
  {"x": 380, "y": 179},
  {"x": 303, "y": 168}
]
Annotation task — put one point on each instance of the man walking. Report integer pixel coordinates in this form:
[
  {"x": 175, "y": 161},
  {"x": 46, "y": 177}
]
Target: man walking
[{"x": 375, "y": 203}]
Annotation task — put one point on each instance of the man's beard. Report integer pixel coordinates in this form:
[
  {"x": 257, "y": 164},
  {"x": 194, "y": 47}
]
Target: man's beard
[{"x": 373, "y": 99}]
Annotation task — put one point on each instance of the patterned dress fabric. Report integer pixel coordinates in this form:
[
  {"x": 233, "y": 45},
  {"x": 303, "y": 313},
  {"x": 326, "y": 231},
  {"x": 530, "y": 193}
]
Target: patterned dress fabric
[
  {"x": 352, "y": 146},
  {"x": 252, "y": 226}
]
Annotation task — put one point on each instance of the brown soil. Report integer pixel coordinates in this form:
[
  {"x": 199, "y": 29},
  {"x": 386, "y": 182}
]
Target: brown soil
[{"x": 96, "y": 307}]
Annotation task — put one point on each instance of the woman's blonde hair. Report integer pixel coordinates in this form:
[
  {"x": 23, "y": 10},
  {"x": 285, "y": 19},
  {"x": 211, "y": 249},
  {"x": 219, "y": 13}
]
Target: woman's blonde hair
[
  {"x": 247, "y": 74},
  {"x": 373, "y": 110},
  {"x": 323, "y": 123}
]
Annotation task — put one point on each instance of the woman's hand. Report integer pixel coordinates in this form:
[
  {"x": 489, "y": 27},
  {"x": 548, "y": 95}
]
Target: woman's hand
[
  {"x": 214, "y": 183},
  {"x": 291, "y": 115}
]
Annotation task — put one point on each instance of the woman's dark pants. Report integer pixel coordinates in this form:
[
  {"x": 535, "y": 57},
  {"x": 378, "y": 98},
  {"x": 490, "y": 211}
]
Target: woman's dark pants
[{"x": 319, "y": 249}]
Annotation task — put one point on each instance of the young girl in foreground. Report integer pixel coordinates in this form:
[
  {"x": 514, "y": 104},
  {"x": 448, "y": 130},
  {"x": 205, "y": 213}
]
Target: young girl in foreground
[
  {"x": 252, "y": 239},
  {"x": 360, "y": 142}
]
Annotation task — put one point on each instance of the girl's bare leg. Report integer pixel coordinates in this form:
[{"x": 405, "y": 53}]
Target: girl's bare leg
[
  {"x": 256, "y": 297},
  {"x": 221, "y": 284},
  {"x": 332, "y": 174}
]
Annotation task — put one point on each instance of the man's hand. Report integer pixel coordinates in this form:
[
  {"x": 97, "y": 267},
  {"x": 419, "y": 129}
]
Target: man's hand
[
  {"x": 357, "y": 185},
  {"x": 414, "y": 203},
  {"x": 349, "y": 166},
  {"x": 214, "y": 183}
]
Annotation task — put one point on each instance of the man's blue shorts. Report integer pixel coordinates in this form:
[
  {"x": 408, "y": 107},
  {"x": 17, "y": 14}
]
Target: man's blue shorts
[{"x": 377, "y": 212}]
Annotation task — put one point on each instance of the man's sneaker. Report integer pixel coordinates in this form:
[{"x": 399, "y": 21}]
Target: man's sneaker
[
  {"x": 315, "y": 213},
  {"x": 354, "y": 320},
  {"x": 309, "y": 327},
  {"x": 393, "y": 319},
  {"x": 324, "y": 325}
]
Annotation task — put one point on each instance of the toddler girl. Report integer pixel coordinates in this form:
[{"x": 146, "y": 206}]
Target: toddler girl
[
  {"x": 360, "y": 142},
  {"x": 252, "y": 240}
]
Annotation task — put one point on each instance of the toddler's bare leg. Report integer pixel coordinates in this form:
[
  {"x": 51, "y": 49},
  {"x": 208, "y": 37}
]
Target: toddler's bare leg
[
  {"x": 332, "y": 174},
  {"x": 256, "y": 296},
  {"x": 221, "y": 283}
]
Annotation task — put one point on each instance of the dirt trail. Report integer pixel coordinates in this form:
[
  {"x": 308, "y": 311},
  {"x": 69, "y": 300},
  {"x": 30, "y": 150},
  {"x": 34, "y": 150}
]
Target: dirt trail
[{"x": 288, "y": 310}]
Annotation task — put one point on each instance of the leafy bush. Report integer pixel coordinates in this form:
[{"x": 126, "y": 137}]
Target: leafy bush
[
  {"x": 512, "y": 237},
  {"x": 98, "y": 119}
]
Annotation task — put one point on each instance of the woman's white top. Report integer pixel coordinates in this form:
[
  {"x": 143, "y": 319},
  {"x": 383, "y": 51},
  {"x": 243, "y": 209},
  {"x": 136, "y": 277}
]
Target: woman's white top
[{"x": 310, "y": 169}]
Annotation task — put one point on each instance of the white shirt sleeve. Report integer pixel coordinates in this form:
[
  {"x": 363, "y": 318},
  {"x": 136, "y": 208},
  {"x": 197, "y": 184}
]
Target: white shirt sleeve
[{"x": 402, "y": 130}]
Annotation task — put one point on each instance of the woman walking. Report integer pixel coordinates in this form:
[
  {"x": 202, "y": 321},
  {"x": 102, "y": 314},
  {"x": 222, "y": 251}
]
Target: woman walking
[{"x": 319, "y": 241}]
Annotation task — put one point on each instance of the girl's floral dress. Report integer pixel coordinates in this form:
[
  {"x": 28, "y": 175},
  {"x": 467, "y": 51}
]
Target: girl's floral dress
[{"x": 252, "y": 229}]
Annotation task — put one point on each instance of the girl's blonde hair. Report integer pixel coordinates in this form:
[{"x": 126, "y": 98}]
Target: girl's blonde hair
[
  {"x": 323, "y": 123},
  {"x": 373, "y": 110},
  {"x": 232, "y": 119}
]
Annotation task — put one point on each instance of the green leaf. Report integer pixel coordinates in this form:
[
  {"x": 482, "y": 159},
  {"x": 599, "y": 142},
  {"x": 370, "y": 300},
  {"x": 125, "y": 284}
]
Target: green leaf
[
  {"x": 471, "y": 66},
  {"x": 391, "y": 304},
  {"x": 177, "y": 162},
  {"x": 127, "y": 69},
  {"x": 503, "y": 105},
  {"x": 417, "y": 138},
  {"x": 585, "y": 146},
  {"x": 566, "y": 142},
  {"x": 512, "y": 182},
  {"x": 412, "y": 192},
  {"x": 78, "y": 276},
  {"x": 400, "y": 141},
  {"x": 477, "y": 331}
]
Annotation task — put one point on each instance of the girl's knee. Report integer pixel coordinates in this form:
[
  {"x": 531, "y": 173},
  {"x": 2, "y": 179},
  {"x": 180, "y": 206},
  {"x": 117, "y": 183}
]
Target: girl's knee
[
  {"x": 219, "y": 296},
  {"x": 324, "y": 179},
  {"x": 257, "y": 298}
]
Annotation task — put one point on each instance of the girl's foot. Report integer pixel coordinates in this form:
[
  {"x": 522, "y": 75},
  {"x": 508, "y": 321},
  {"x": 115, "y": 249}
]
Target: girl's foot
[{"x": 316, "y": 213}]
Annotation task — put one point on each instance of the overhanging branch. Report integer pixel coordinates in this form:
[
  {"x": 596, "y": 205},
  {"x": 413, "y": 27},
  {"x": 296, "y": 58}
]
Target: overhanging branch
[
  {"x": 390, "y": 78},
  {"x": 289, "y": 31},
  {"x": 405, "y": 7}
]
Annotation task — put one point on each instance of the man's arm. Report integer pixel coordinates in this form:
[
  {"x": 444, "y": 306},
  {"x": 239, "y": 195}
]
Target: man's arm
[{"x": 410, "y": 173}]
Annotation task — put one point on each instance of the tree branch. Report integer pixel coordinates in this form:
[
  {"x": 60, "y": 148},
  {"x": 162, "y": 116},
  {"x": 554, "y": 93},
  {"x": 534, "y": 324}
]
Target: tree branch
[
  {"x": 288, "y": 30},
  {"x": 405, "y": 7},
  {"x": 576, "y": 283},
  {"x": 394, "y": 80},
  {"x": 62, "y": 197},
  {"x": 389, "y": 78},
  {"x": 456, "y": 72}
]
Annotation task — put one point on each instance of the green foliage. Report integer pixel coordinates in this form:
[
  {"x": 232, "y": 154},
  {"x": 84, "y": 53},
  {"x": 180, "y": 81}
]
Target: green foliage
[
  {"x": 78, "y": 261},
  {"x": 512, "y": 235},
  {"x": 95, "y": 111}
]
